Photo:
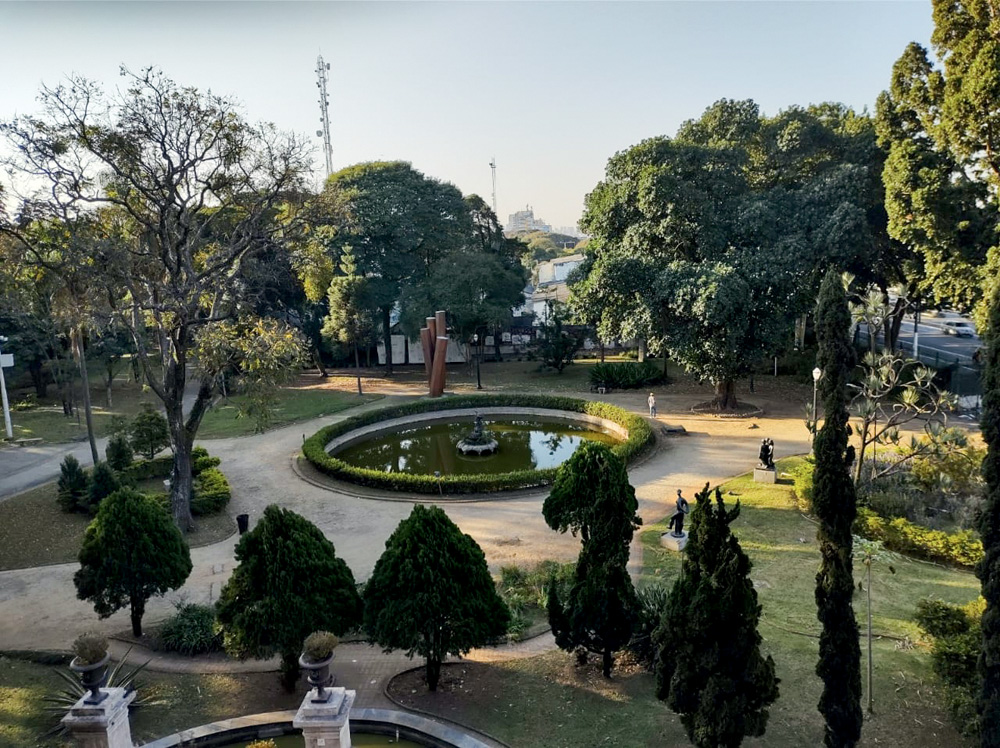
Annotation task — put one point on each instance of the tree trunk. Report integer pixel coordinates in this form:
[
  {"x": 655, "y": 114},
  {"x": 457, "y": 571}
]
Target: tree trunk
[
  {"x": 111, "y": 378},
  {"x": 387, "y": 335},
  {"x": 871, "y": 670},
  {"x": 433, "y": 673},
  {"x": 38, "y": 377},
  {"x": 181, "y": 484},
  {"x": 138, "y": 608},
  {"x": 318, "y": 358},
  {"x": 357, "y": 367},
  {"x": 85, "y": 381},
  {"x": 725, "y": 395},
  {"x": 642, "y": 350},
  {"x": 600, "y": 344},
  {"x": 607, "y": 662},
  {"x": 289, "y": 670}
]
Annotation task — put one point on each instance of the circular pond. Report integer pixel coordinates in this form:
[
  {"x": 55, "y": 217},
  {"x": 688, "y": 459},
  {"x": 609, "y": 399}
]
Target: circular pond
[
  {"x": 423, "y": 449},
  {"x": 361, "y": 740}
]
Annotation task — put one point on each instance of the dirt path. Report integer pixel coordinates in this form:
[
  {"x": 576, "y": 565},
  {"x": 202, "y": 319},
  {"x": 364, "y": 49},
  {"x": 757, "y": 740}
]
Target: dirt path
[{"x": 39, "y": 609}]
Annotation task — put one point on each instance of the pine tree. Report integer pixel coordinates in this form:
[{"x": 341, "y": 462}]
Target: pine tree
[
  {"x": 72, "y": 486},
  {"x": 131, "y": 551},
  {"x": 289, "y": 583},
  {"x": 431, "y": 592},
  {"x": 103, "y": 483},
  {"x": 592, "y": 495},
  {"x": 710, "y": 667},
  {"x": 835, "y": 506},
  {"x": 988, "y": 570},
  {"x": 118, "y": 453}
]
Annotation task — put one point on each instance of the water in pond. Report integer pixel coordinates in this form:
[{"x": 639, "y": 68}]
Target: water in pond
[
  {"x": 524, "y": 445},
  {"x": 362, "y": 741}
]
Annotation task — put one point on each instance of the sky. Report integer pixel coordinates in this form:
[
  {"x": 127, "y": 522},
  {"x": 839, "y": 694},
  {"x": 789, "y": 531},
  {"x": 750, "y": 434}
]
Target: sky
[{"x": 550, "y": 90}]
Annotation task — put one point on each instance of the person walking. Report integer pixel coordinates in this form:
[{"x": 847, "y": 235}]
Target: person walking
[{"x": 651, "y": 401}]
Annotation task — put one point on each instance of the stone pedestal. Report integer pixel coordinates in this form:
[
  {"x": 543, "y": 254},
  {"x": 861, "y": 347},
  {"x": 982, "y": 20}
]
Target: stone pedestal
[
  {"x": 674, "y": 542},
  {"x": 765, "y": 475},
  {"x": 103, "y": 725},
  {"x": 326, "y": 724}
]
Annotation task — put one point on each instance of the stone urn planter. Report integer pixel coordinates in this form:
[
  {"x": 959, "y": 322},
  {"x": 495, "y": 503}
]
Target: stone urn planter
[
  {"x": 93, "y": 676},
  {"x": 318, "y": 675},
  {"x": 317, "y": 654}
]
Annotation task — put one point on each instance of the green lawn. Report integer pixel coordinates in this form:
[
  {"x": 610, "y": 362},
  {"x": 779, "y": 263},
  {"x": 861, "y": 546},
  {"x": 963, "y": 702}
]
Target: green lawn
[
  {"x": 37, "y": 532},
  {"x": 293, "y": 405},
  {"x": 547, "y": 702}
]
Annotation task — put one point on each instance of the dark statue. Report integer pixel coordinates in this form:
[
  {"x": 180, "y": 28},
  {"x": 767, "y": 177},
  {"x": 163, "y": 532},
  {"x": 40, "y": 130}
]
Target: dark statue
[
  {"x": 765, "y": 457},
  {"x": 676, "y": 524},
  {"x": 477, "y": 428}
]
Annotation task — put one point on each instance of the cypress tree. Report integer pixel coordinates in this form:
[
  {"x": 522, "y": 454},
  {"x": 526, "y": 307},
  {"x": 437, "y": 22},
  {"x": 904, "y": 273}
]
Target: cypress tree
[
  {"x": 289, "y": 583},
  {"x": 835, "y": 506},
  {"x": 72, "y": 486},
  {"x": 592, "y": 495},
  {"x": 710, "y": 669},
  {"x": 988, "y": 569},
  {"x": 103, "y": 482}
]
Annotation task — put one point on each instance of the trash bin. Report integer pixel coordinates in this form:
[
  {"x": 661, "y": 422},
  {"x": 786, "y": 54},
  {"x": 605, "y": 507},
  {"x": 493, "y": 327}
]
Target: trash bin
[{"x": 243, "y": 522}]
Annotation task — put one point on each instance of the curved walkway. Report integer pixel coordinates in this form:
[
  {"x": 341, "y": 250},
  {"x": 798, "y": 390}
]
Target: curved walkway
[{"x": 39, "y": 609}]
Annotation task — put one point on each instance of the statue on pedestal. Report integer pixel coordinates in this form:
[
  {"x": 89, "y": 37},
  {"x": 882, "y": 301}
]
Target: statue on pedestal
[
  {"x": 676, "y": 524},
  {"x": 766, "y": 455}
]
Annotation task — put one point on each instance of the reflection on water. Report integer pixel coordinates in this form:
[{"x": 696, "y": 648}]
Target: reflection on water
[
  {"x": 524, "y": 445},
  {"x": 364, "y": 741}
]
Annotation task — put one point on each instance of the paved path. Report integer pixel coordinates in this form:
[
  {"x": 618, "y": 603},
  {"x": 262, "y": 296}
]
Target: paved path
[{"x": 39, "y": 609}]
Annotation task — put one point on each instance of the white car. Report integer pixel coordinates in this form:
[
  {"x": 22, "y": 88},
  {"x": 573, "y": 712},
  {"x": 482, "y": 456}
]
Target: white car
[{"x": 958, "y": 328}]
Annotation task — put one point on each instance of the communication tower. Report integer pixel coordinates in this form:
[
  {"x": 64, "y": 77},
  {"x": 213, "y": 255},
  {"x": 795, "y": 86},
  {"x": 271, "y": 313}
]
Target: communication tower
[{"x": 323, "y": 77}]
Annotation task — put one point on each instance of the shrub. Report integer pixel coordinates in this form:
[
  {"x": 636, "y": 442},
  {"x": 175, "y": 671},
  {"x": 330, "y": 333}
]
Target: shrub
[
  {"x": 652, "y": 603},
  {"x": 103, "y": 483},
  {"x": 118, "y": 452},
  {"x": 149, "y": 432},
  {"x": 802, "y": 484},
  {"x": 211, "y": 492},
  {"x": 626, "y": 376},
  {"x": 201, "y": 464},
  {"x": 72, "y": 486},
  {"x": 959, "y": 548},
  {"x": 159, "y": 467},
  {"x": 640, "y": 435},
  {"x": 191, "y": 630},
  {"x": 955, "y": 652}
]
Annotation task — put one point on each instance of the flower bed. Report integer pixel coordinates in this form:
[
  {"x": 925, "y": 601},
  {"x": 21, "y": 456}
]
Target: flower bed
[{"x": 314, "y": 449}]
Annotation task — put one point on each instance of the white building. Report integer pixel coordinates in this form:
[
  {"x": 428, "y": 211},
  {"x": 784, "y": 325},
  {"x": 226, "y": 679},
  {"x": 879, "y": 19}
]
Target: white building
[
  {"x": 550, "y": 283},
  {"x": 524, "y": 220}
]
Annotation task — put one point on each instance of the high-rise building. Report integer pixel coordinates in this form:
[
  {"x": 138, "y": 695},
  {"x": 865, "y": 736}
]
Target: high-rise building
[{"x": 524, "y": 220}]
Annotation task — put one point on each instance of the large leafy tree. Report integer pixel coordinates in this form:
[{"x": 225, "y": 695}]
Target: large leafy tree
[
  {"x": 351, "y": 319},
  {"x": 940, "y": 127},
  {"x": 131, "y": 551},
  {"x": 593, "y": 497},
  {"x": 398, "y": 223},
  {"x": 289, "y": 583},
  {"x": 180, "y": 191},
  {"x": 745, "y": 212},
  {"x": 431, "y": 592},
  {"x": 710, "y": 669},
  {"x": 835, "y": 506},
  {"x": 988, "y": 570}
]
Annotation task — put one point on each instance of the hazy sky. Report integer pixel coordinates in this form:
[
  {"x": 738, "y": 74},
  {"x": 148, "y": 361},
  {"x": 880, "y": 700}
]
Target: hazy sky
[{"x": 551, "y": 89}]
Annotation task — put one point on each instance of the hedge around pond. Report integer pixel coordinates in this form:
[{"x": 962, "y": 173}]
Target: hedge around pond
[{"x": 640, "y": 435}]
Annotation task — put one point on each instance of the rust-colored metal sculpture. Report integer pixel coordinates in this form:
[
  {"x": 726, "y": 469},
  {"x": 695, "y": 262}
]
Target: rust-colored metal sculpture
[{"x": 434, "y": 341}]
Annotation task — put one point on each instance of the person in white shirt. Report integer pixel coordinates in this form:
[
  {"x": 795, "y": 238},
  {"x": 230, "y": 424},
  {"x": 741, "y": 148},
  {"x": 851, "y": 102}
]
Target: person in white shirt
[{"x": 652, "y": 405}]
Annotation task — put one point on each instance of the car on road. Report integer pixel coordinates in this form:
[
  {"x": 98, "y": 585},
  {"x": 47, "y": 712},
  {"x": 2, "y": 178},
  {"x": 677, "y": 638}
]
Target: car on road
[{"x": 958, "y": 328}]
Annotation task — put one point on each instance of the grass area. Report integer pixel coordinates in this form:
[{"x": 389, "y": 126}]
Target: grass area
[
  {"x": 37, "y": 532},
  {"x": 293, "y": 404},
  {"x": 47, "y": 422},
  {"x": 186, "y": 701},
  {"x": 579, "y": 708}
]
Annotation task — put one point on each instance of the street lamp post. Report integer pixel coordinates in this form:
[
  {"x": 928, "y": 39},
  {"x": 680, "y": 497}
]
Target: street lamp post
[
  {"x": 3, "y": 394},
  {"x": 475, "y": 343},
  {"x": 817, "y": 375}
]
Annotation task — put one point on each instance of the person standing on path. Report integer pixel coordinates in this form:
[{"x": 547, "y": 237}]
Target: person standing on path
[{"x": 651, "y": 401}]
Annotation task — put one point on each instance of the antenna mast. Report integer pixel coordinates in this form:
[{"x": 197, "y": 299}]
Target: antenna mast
[
  {"x": 323, "y": 77},
  {"x": 493, "y": 168}
]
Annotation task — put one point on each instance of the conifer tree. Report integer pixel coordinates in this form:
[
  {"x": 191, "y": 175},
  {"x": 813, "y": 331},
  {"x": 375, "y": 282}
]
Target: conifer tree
[
  {"x": 835, "y": 506},
  {"x": 431, "y": 592},
  {"x": 710, "y": 669},
  {"x": 103, "y": 483},
  {"x": 118, "y": 452},
  {"x": 988, "y": 570},
  {"x": 131, "y": 551},
  {"x": 289, "y": 583},
  {"x": 72, "y": 486},
  {"x": 592, "y": 496}
]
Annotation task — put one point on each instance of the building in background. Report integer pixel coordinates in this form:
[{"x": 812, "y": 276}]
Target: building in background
[
  {"x": 524, "y": 221},
  {"x": 550, "y": 283}
]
